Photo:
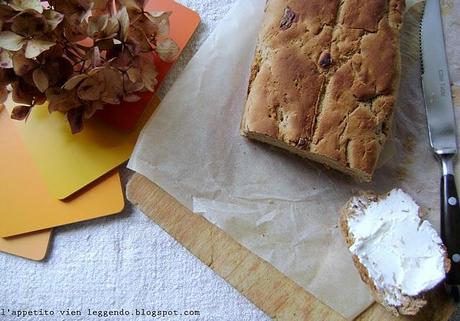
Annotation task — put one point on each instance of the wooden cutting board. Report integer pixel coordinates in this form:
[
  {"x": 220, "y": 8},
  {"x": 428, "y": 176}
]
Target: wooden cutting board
[{"x": 271, "y": 291}]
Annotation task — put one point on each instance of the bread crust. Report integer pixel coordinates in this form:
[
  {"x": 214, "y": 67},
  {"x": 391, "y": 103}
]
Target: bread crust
[
  {"x": 324, "y": 80},
  {"x": 411, "y": 305}
]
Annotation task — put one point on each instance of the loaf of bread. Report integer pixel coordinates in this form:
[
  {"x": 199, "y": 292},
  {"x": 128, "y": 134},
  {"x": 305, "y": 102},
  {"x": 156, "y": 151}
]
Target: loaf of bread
[
  {"x": 324, "y": 80},
  {"x": 398, "y": 255}
]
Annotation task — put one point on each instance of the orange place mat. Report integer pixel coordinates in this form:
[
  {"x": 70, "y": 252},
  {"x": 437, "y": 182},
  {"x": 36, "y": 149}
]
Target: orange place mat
[
  {"x": 183, "y": 23},
  {"x": 25, "y": 202},
  {"x": 32, "y": 246}
]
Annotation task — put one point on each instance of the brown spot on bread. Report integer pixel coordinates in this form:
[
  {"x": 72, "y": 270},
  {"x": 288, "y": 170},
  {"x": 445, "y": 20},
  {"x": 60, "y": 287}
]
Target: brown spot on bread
[
  {"x": 325, "y": 60},
  {"x": 288, "y": 19},
  {"x": 302, "y": 142}
]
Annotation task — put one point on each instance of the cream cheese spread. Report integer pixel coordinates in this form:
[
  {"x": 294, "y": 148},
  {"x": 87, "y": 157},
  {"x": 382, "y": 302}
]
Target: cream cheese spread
[{"x": 403, "y": 254}]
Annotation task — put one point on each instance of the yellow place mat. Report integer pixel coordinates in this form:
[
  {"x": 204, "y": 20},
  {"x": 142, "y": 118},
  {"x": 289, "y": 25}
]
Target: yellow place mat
[
  {"x": 32, "y": 246},
  {"x": 26, "y": 205},
  {"x": 67, "y": 162}
]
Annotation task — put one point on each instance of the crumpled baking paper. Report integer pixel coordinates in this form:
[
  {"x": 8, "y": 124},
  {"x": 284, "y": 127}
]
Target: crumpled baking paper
[{"x": 282, "y": 208}]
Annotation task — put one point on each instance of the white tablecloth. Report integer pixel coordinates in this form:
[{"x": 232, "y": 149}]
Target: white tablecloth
[{"x": 125, "y": 261}]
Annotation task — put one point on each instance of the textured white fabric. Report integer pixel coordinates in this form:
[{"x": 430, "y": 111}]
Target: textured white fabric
[
  {"x": 125, "y": 261},
  {"x": 121, "y": 262}
]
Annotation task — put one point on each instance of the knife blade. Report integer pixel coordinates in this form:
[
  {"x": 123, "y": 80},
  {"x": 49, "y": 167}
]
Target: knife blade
[{"x": 442, "y": 131}]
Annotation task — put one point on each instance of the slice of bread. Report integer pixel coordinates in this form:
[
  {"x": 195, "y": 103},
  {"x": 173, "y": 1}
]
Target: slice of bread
[{"x": 398, "y": 255}]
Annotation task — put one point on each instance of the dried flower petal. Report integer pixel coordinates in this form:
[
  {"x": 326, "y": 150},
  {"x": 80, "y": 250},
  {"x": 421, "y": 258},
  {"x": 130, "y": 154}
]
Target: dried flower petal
[
  {"x": 20, "y": 112},
  {"x": 95, "y": 56},
  {"x": 161, "y": 20},
  {"x": 40, "y": 79},
  {"x": 111, "y": 28},
  {"x": 39, "y": 99},
  {"x": 7, "y": 76},
  {"x": 22, "y": 65},
  {"x": 35, "y": 47},
  {"x": 58, "y": 69},
  {"x": 137, "y": 5},
  {"x": 95, "y": 72},
  {"x": 91, "y": 109},
  {"x": 73, "y": 29},
  {"x": 23, "y": 93},
  {"x": 101, "y": 7},
  {"x": 6, "y": 12},
  {"x": 53, "y": 53},
  {"x": 138, "y": 41},
  {"x": 96, "y": 24},
  {"x": 134, "y": 75},
  {"x": 123, "y": 60},
  {"x": 6, "y": 60},
  {"x": 74, "y": 81},
  {"x": 113, "y": 90},
  {"x": 75, "y": 118},
  {"x": 29, "y": 24},
  {"x": 70, "y": 7},
  {"x": 167, "y": 50},
  {"x": 11, "y": 41},
  {"x": 132, "y": 87},
  {"x": 21, "y": 5},
  {"x": 53, "y": 19},
  {"x": 89, "y": 89},
  {"x": 149, "y": 73},
  {"x": 123, "y": 20},
  {"x": 131, "y": 98},
  {"x": 61, "y": 100}
]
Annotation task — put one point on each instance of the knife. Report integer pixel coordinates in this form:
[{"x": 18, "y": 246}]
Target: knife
[{"x": 442, "y": 132}]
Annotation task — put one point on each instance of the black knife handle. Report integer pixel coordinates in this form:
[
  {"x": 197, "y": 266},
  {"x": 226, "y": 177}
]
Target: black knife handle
[{"x": 450, "y": 226}]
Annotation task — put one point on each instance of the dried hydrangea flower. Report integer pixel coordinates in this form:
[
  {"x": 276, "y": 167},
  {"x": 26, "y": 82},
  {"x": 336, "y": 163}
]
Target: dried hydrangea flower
[{"x": 79, "y": 54}]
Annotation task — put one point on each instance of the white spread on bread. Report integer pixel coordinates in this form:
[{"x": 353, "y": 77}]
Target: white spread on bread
[{"x": 403, "y": 254}]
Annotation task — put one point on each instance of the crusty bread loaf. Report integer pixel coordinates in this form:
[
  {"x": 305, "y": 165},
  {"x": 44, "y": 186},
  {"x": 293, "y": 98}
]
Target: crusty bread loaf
[
  {"x": 409, "y": 304},
  {"x": 324, "y": 79}
]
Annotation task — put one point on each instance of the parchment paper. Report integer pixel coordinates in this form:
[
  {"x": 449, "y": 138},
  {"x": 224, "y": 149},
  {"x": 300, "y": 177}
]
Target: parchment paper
[{"x": 281, "y": 207}]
